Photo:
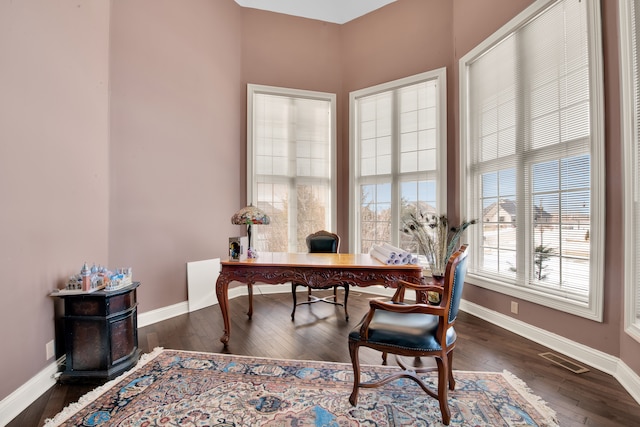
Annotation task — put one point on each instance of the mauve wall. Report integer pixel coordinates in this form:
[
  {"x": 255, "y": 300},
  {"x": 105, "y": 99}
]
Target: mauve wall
[
  {"x": 176, "y": 101},
  {"x": 401, "y": 39},
  {"x": 54, "y": 187},
  {"x": 157, "y": 188},
  {"x": 288, "y": 51}
]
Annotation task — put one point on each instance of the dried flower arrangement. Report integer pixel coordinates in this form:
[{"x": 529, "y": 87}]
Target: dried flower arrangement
[{"x": 435, "y": 239}]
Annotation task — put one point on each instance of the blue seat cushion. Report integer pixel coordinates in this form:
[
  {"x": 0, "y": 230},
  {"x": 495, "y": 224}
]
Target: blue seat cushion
[{"x": 411, "y": 331}]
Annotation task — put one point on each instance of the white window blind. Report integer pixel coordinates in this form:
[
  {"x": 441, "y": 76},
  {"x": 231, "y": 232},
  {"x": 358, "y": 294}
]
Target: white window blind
[
  {"x": 630, "y": 94},
  {"x": 635, "y": 155},
  {"x": 528, "y": 165},
  {"x": 291, "y": 159},
  {"x": 398, "y": 155}
]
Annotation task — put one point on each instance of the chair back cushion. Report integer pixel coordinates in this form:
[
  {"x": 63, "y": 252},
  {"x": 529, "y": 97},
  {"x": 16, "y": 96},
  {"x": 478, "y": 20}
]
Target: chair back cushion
[
  {"x": 459, "y": 267},
  {"x": 323, "y": 242}
]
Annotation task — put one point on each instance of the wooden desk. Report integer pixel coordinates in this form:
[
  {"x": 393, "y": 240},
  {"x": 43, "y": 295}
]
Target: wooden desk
[{"x": 314, "y": 270}]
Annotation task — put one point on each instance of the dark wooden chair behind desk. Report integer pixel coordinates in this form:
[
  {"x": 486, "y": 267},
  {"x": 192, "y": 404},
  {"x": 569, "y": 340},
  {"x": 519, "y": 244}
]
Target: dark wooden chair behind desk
[{"x": 321, "y": 242}]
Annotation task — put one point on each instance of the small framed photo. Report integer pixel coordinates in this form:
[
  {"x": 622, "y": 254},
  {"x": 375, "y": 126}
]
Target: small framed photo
[{"x": 235, "y": 249}]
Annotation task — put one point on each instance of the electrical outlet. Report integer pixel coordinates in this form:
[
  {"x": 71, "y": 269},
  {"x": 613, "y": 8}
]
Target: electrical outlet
[
  {"x": 50, "y": 349},
  {"x": 514, "y": 307}
]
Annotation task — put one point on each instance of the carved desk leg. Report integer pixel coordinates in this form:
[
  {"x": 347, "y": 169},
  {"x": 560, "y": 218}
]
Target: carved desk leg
[
  {"x": 250, "y": 291},
  {"x": 222, "y": 293}
]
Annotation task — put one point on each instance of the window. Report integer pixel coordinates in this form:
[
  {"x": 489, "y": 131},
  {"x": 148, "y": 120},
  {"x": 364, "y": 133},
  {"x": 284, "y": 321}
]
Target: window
[
  {"x": 398, "y": 157},
  {"x": 629, "y": 87},
  {"x": 290, "y": 164},
  {"x": 532, "y": 159}
]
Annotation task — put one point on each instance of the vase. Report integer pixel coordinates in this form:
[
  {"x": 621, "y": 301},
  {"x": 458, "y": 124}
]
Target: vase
[{"x": 432, "y": 296}]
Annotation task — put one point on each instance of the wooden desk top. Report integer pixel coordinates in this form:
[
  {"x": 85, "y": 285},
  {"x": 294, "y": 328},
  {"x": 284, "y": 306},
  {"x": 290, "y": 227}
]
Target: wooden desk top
[
  {"x": 352, "y": 261},
  {"x": 314, "y": 270}
]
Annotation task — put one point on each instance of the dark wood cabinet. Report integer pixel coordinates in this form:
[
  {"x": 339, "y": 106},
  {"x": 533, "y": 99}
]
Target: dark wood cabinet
[{"x": 101, "y": 334}]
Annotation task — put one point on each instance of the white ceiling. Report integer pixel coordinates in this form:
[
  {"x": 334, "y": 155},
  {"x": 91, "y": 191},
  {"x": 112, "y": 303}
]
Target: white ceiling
[{"x": 336, "y": 11}]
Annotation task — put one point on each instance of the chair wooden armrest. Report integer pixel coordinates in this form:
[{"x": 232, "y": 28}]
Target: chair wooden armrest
[
  {"x": 398, "y": 296},
  {"x": 435, "y": 310}
]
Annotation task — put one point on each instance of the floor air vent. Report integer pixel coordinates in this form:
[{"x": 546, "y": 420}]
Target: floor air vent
[{"x": 564, "y": 362}]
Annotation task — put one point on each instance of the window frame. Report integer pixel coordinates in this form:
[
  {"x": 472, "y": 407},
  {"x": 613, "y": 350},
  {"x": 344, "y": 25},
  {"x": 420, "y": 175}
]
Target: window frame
[
  {"x": 630, "y": 121},
  {"x": 252, "y": 90},
  {"x": 440, "y": 75},
  {"x": 593, "y": 307}
]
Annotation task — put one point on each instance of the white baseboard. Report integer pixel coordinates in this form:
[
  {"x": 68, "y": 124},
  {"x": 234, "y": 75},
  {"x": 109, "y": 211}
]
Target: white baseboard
[
  {"x": 12, "y": 405},
  {"x": 150, "y": 317},
  {"x": 592, "y": 357},
  {"x": 158, "y": 315},
  {"x": 629, "y": 380},
  {"x": 16, "y": 402}
]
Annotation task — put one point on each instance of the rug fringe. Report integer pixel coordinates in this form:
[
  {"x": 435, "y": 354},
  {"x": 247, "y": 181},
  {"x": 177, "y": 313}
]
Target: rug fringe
[
  {"x": 73, "y": 408},
  {"x": 536, "y": 401}
]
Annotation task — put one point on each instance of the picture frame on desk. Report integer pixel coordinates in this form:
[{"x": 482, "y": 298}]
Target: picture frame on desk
[{"x": 235, "y": 248}]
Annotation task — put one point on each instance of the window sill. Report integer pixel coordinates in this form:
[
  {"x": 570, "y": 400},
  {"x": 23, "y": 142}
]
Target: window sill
[{"x": 589, "y": 311}]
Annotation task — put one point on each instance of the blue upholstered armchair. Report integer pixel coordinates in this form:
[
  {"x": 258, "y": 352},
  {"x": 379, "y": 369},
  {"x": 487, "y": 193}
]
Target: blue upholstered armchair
[{"x": 415, "y": 330}]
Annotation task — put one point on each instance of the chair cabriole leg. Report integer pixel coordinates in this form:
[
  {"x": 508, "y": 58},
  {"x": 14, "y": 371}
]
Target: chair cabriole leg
[
  {"x": 443, "y": 388},
  {"x": 452, "y": 381},
  {"x": 355, "y": 361}
]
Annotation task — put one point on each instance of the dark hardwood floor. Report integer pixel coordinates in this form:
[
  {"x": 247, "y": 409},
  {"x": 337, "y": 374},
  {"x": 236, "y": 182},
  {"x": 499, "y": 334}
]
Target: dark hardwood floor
[{"x": 319, "y": 333}]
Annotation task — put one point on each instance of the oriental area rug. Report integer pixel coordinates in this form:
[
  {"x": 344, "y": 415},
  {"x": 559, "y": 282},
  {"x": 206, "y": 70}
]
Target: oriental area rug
[{"x": 180, "y": 388}]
